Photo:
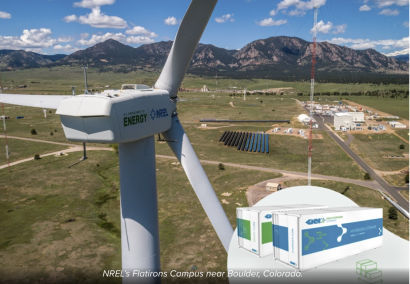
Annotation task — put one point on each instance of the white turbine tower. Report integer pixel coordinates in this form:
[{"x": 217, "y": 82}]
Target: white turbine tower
[{"x": 131, "y": 117}]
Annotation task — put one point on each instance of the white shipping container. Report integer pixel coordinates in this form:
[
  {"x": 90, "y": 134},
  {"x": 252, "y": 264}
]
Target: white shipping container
[
  {"x": 309, "y": 238},
  {"x": 254, "y": 226}
]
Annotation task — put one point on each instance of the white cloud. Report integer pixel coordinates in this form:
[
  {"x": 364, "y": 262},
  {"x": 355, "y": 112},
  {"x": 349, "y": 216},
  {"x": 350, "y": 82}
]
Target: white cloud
[
  {"x": 271, "y": 22},
  {"x": 365, "y": 1},
  {"x": 406, "y": 24},
  {"x": 4, "y": 15},
  {"x": 70, "y": 18},
  {"x": 33, "y": 39},
  {"x": 139, "y": 39},
  {"x": 296, "y": 13},
  {"x": 272, "y": 13},
  {"x": 340, "y": 29},
  {"x": 65, "y": 38},
  {"x": 399, "y": 52},
  {"x": 341, "y": 40},
  {"x": 66, "y": 48},
  {"x": 364, "y": 8},
  {"x": 323, "y": 28},
  {"x": 138, "y": 30},
  {"x": 225, "y": 18},
  {"x": 84, "y": 35},
  {"x": 385, "y": 3},
  {"x": 93, "y": 3},
  {"x": 300, "y": 6},
  {"x": 366, "y": 43},
  {"x": 96, "y": 19},
  {"x": 100, "y": 38},
  {"x": 171, "y": 21},
  {"x": 388, "y": 12}
]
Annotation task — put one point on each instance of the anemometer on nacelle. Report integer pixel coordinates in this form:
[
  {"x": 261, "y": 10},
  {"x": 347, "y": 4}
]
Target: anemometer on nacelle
[{"x": 116, "y": 116}]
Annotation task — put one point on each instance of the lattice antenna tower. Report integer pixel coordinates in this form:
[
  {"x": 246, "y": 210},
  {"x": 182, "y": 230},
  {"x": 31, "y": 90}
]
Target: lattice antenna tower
[{"x": 312, "y": 90}]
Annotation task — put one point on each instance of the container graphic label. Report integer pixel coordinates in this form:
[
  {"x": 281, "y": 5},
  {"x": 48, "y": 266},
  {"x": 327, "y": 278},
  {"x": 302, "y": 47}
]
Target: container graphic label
[
  {"x": 328, "y": 237},
  {"x": 267, "y": 232},
  {"x": 280, "y": 237},
  {"x": 244, "y": 228}
]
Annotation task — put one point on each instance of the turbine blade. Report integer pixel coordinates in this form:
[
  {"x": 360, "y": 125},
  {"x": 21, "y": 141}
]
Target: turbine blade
[
  {"x": 185, "y": 153},
  {"x": 189, "y": 33},
  {"x": 41, "y": 101}
]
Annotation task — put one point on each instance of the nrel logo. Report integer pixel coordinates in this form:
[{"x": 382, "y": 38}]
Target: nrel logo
[
  {"x": 158, "y": 113},
  {"x": 268, "y": 216},
  {"x": 315, "y": 221}
]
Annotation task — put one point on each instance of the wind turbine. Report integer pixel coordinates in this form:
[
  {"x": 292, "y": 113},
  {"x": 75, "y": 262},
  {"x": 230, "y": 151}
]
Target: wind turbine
[{"x": 131, "y": 117}]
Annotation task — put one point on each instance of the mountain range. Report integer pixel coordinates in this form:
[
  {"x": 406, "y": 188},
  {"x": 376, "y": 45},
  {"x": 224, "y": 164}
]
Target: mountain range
[{"x": 280, "y": 57}]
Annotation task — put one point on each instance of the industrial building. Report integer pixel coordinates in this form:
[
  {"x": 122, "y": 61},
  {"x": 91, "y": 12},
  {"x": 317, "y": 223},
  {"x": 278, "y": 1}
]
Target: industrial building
[{"x": 348, "y": 120}]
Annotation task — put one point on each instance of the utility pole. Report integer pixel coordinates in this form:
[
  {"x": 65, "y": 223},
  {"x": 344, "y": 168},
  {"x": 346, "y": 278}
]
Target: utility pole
[
  {"x": 312, "y": 90},
  {"x": 85, "y": 67}
]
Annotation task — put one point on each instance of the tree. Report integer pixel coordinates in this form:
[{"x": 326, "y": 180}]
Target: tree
[
  {"x": 221, "y": 167},
  {"x": 393, "y": 213},
  {"x": 37, "y": 157},
  {"x": 51, "y": 133},
  {"x": 33, "y": 131},
  {"x": 406, "y": 178},
  {"x": 401, "y": 147},
  {"x": 367, "y": 176}
]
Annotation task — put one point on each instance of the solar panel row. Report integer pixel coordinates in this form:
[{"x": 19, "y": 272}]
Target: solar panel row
[{"x": 246, "y": 141}]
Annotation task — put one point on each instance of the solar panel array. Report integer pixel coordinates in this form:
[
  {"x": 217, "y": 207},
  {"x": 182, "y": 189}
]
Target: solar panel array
[{"x": 246, "y": 141}]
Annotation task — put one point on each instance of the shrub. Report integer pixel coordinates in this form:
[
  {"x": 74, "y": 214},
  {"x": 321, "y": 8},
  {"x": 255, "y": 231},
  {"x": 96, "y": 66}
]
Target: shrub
[
  {"x": 401, "y": 147},
  {"x": 37, "y": 157},
  {"x": 115, "y": 148},
  {"x": 221, "y": 167},
  {"x": 393, "y": 213},
  {"x": 33, "y": 131},
  {"x": 51, "y": 133},
  {"x": 406, "y": 178},
  {"x": 55, "y": 130},
  {"x": 367, "y": 176}
]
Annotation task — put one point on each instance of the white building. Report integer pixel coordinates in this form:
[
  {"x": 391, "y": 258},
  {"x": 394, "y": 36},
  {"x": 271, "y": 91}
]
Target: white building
[
  {"x": 347, "y": 119},
  {"x": 273, "y": 186}
]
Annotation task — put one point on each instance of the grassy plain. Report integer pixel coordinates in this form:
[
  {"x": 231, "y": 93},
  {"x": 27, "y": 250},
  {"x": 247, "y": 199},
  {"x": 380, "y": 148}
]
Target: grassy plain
[
  {"x": 404, "y": 133},
  {"x": 373, "y": 147},
  {"x": 20, "y": 149},
  {"x": 398, "y": 107},
  {"x": 364, "y": 197},
  {"x": 396, "y": 180},
  {"x": 405, "y": 193},
  {"x": 38, "y": 241}
]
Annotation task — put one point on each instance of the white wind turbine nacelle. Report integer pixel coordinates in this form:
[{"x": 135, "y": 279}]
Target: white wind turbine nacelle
[
  {"x": 116, "y": 116},
  {"x": 131, "y": 117}
]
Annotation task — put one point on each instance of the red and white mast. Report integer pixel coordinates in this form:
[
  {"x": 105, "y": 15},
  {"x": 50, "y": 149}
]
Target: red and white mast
[{"x": 312, "y": 90}]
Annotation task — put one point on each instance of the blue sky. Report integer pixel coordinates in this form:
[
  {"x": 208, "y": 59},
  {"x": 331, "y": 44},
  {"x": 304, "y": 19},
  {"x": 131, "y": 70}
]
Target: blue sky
[{"x": 64, "y": 26}]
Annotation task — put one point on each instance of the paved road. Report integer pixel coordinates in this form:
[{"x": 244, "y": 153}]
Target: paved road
[{"x": 384, "y": 186}]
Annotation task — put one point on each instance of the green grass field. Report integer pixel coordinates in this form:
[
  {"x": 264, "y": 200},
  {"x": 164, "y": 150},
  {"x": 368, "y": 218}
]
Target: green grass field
[
  {"x": 364, "y": 197},
  {"x": 396, "y": 180},
  {"x": 37, "y": 240},
  {"x": 59, "y": 79},
  {"x": 405, "y": 193},
  {"x": 20, "y": 149},
  {"x": 372, "y": 148},
  {"x": 396, "y": 107},
  {"x": 404, "y": 133}
]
